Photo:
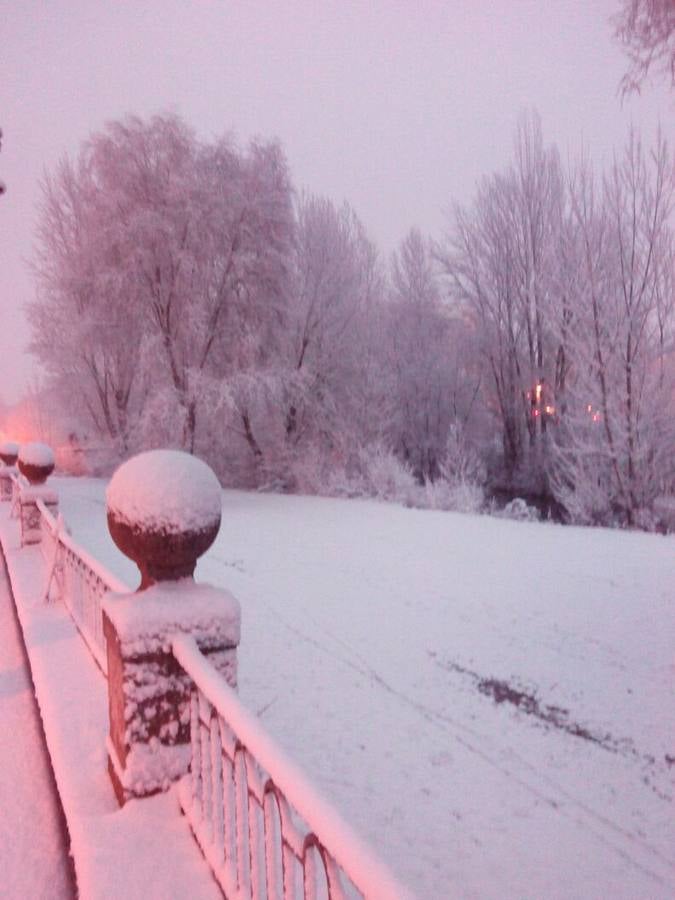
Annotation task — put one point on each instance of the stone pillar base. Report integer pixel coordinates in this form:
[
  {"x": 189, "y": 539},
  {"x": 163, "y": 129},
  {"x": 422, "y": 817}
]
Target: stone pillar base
[
  {"x": 29, "y": 514},
  {"x": 148, "y": 691},
  {"x": 6, "y": 473}
]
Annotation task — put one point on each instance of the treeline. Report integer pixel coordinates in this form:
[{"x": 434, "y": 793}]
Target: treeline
[{"x": 188, "y": 296}]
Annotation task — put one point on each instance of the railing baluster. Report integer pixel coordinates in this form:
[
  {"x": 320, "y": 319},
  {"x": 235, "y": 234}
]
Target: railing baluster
[
  {"x": 241, "y": 819},
  {"x": 272, "y": 831},
  {"x": 309, "y": 875},
  {"x": 218, "y": 813},
  {"x": 255, "y": 832},
  {"x": 229, "y": 806},
  {"x": 196, "y": 744},
  {"x": 205, "y": 757}
]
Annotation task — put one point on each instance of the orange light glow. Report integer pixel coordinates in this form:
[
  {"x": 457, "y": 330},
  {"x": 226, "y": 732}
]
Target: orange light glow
[
  {"x": 537, "y": 392},
  {"x": 550, "y": 410}
]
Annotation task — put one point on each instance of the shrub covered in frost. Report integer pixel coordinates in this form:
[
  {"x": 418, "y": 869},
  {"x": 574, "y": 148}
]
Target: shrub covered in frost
[
  {"x": 385, "y": 476},
  {"x": 519, "y": 510}
]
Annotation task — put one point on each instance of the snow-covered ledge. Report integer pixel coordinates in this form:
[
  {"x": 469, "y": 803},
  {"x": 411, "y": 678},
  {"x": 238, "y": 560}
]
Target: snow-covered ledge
[{"x": 164, "y": 511}]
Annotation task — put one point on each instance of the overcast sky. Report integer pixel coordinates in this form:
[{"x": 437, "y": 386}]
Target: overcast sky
[{"x": 397, "y": 107}]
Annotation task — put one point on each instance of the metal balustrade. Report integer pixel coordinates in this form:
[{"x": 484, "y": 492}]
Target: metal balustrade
[
  {"x": 79, "y": 581},
  {"x": 262, "y": 826}
]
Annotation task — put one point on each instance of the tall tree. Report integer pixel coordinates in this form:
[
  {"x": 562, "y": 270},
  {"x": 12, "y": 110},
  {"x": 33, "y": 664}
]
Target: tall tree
[
  {"x": 646, "y": 29},
  {"x": 336, "y": 281},
  {"x": 500, "y": 262},
  {"x": 614, "y": 452},
  {"x": 186, "y": 244},
  {"x": 429, "y": 389}
]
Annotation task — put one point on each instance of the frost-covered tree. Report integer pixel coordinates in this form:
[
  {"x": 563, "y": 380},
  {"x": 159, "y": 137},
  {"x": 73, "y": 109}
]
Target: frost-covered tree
[
  {"x": 335, "y": 286},
  {"x": 500, "y": 261},
  {"x": 85, "y": 320},
  {"x": 646, "y": 29},
  {"x": 614, "y": 450},
  {"x": 429, "y": 387},
  {"x": 169, "y": 260}
]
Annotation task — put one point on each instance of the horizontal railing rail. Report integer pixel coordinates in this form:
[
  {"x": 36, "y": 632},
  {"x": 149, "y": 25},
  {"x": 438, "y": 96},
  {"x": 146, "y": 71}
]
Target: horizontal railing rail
[
  {"x": 79, "y": 580},
  {"x": 264, "y": 828}
]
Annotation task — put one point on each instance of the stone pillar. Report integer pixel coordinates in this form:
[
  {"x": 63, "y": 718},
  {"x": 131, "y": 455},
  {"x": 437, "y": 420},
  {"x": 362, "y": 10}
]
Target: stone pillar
[
  {"x": 9, "y": 452},
  {"x": 164, "y": 511},
  {"x": 36, "y": 463}
]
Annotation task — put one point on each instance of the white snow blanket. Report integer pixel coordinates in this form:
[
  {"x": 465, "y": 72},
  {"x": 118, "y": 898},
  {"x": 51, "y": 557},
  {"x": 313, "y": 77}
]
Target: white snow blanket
[{"x": 489, "y": 703}]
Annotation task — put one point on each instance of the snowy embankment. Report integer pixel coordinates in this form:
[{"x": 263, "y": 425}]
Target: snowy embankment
[{"x": 489, "y": 703}]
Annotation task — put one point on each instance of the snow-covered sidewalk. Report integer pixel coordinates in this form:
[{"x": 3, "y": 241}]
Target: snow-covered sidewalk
[
  {"x": 34, "y": 843},
  {"x": 143, "y": 851}
]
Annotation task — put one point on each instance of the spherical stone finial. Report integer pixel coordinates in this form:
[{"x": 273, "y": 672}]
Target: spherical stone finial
[
  {"x": 164, "y": 511},
  {"x": 9, "y": 452},
  {"x": 36, "y": 462}
]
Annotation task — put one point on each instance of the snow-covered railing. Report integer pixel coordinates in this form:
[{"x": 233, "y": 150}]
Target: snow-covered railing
[
  {"x": 18, "y": 481},
  {"x": 262, "y": 826},
  {"x": 78, "y": 580}
]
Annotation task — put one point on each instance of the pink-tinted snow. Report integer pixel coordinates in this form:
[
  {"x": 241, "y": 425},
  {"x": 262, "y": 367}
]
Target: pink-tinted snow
[
  {"x": 9, "y": 448},
  {"x": 165, "y": 490},
  {"x": 36, "y": 454},
  {"x": 72, "y": 697},
  {"x": 174, "y": 607},
  {"x": 34, "y": 846},
  {"x": 370, "y": 634}
]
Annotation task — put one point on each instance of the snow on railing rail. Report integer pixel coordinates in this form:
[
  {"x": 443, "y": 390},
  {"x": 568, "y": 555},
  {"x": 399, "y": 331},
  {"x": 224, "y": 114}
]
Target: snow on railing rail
[
  {"x": 264, "y": 829},
  {"x": 80, "y": 580}
]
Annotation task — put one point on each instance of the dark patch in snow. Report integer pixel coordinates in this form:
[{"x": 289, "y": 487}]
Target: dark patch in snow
[
  {"x": 236, "y": 564},
  {"x": 527, "y": 702}
]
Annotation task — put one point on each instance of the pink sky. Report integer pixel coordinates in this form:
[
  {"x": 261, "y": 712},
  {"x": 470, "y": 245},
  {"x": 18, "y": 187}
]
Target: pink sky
[{"x": 398, "y": 107}]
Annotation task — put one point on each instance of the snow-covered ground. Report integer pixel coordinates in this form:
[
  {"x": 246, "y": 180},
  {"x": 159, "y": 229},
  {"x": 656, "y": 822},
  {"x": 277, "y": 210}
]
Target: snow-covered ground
[
  {"x": 33, "y": 844},
  {"x": 489, "y": 703}
]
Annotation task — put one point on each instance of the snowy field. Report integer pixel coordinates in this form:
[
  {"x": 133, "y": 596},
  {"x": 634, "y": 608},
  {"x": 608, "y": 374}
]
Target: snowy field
[{"x": 489, "y": 703}]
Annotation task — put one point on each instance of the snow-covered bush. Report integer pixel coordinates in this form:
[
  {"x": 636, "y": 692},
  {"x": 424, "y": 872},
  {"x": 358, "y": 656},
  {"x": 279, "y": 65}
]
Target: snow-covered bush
[
  {"x": 467, "y": 497},
  {"x": 458, "y": 496},
  {"x": 519, "y": 510},
  {"x": 461, "y": 463},
  {"x": 384, "y": 475}
]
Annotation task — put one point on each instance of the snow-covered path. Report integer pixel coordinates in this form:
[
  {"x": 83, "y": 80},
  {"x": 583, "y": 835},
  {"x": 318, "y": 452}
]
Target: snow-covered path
[{"x": 34, "y": 858}]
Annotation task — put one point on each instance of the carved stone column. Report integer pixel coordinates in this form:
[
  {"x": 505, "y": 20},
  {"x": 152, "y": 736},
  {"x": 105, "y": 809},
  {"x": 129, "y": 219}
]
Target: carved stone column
[
  {"x": 36, "y": 463},
  {"x": 164, "y": 511},
  {"x": 9, "y": 452}
]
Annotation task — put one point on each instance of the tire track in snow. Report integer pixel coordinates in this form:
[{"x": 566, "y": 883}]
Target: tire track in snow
[{"x": 532, "y": 779}]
